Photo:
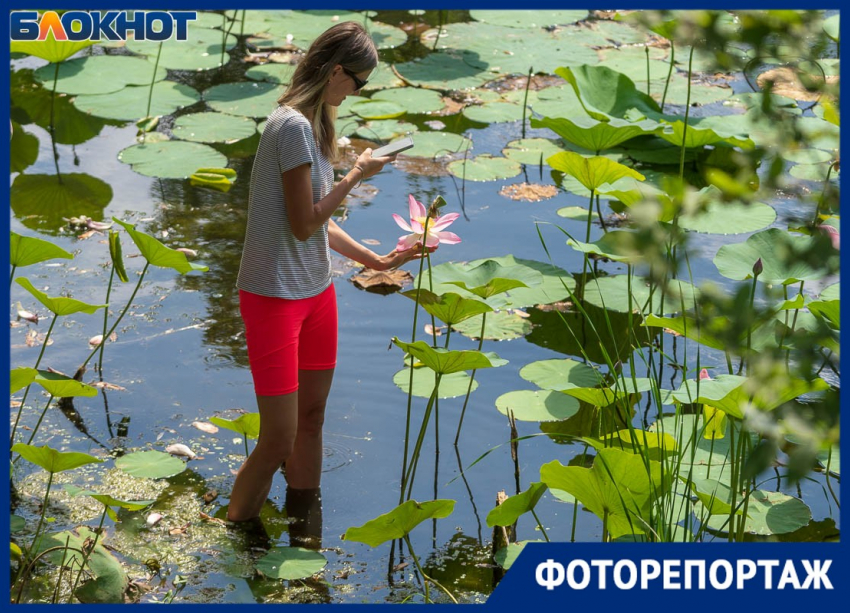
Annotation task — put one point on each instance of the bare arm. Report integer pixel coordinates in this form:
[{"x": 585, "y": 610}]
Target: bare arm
[{"x": 342, "y": 243}]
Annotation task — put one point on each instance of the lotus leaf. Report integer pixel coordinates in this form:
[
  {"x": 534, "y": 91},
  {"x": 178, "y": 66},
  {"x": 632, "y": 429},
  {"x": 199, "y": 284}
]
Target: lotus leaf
[
  {"x": 451, "y": 386},
  {"x": 612, "y": 293},
  {"x": 377, "y": 109},
  {"x": 385, "y": 129},
  {"x": 399, "y": 522},
  {"x": 831, "y": 459},
  {"x": 274, "y": 73},
  {"x": 806, "y": 156},
  {"x": 202, "y": 51},
  {"x": 291, "y": 563},
  {"x": 595, "y": 135},
  {"x": 532, "y": 151},
  {"x": 386, "y": 36},
  {"x": 438, "y": 144},
  {"x": 560, "y": 374},
  {"x": 51, "y": 460},
  {"x": 510, "y": 510},
  {"x": 831, "y": 27},
  {"x": 158, "y": 254},
  {"x": 171, "y": 159},
  {"x": 23, "y": 149},
  {"x": 59, "y": 306},
  {"x": 769, "y": 513},
  {"x": 700, "y": 94},
  {"x": 443, "y": 71},
  {"x": 248, "y": 425},
  {"x": 528, "y": 19},
  {"x": 689, "y": 328},
  {"x": 829, "y": 310},
  {"x": 99, "y": 74},
  {"x": 606, "y": 396},
  {"x": 50, "y": 49},
  {"x": 110, "y": 580},
  {"x": 213, "y": 128},
  {"x": 776, "y": 248},
  {"x": 383, "y": 77},
  {"x": 605, "y": 93},
  {"x": 62, "y": 386},
  {"x": 444, "y": 361},
  {"x": 537, "y": 405},
  {"x": 593, "y": 172},
  {"x": 831, "y": 292},
  {"x": 616, "y": 245},
  {"x": 42, "y": 201},
  {"x": 494, "y": 112},
  {"x": 655, "y": 446},
  {"x": 150, "y": 465},
  {"x": 620, "y": 486},
  {"x": 814, "y": 172},
  {"x": 484, "y": 167},
  {"x": 506, "y": 556},
  {"x": 500, "y": 326},
  {"x": 28, "y": 250},
  {"x": 131, "y": 103},
  {"x": 729, "y": 218},
  {"x": 247, "y": 98},
  {"x": 450, "y": 308},
  {"x": 412, "y": 99},
  {"x": 21, "y": 377}
]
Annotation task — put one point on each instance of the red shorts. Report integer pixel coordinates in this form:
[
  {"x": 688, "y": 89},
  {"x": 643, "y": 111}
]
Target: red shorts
[{"x": 284, "y": 336}]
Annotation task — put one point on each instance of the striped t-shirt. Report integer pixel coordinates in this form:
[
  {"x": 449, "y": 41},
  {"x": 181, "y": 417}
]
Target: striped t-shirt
[{"x": 274, "y": 262}]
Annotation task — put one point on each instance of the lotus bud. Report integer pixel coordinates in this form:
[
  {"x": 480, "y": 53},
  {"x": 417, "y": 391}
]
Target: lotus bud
[
  {"x": 758, "y": 267},
  {"x": 703, "y": 374},
  {"x": 833, "y": 235},
  {"x": 95, "y": 341}
]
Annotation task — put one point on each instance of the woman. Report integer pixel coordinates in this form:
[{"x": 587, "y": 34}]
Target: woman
[{"x": 286, "y": 297}]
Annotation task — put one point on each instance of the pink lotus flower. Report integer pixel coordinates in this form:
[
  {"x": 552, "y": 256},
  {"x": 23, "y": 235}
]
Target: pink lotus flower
[
  {"x": 416, "y": 227},
  {"x": 833, "y": 235}
]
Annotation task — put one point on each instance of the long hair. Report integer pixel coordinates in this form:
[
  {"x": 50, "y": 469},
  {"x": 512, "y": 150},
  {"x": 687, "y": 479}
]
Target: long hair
[{"x": 347, "y": 44}]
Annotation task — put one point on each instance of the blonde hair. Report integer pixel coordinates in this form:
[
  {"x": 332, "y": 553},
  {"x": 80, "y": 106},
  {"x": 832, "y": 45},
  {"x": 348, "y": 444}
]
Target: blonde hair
[{"x": 347, "y": 44}]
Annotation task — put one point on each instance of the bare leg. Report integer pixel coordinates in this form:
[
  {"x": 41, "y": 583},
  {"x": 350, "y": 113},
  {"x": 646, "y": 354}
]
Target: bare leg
[
  {"x": 304, "y": 466},
  {"x": 279, "y": 424}
]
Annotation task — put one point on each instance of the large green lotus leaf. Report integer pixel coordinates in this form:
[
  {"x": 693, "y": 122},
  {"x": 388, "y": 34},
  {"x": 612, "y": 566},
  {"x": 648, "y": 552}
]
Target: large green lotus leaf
[
  {"x": 616, "y": 245},
  {"x": 377, "y": 109},
  {"x": 593, "y": 172},
  {"x": 23, "y": 149},
  {"x": 500, "y": 326},
  {"x": 605, "y": 93},
  {"x": 42, "y": 201},
  {"x": 537, "y": 405},
  {"x": 386, "y": 36},
  {"x": 383, "y": 77},
  {"x": 532, "y": 151},
  {"x": 506, "y": 556},
  {"x": 819, "y": 133},
  {"x": 438, "y": 144},
  {"x": 612, "y": 293},
  {"x": 108, "y": 500},
  {"x": 449, "y": 307},
  {"x": 413, "y": 100},
  {"x": 248, "y": 424},
  {"x": 768, "y": 513},
  {"x": 443, "y": 71},
  {"x": 247, "y": 99},
  {"x": 304, "y": 26},
  {"x": 50, "y": 49},
  {"x": 158, "y": 254},
  {"x": 150, "y": 465},
  {"x": 560, "y": 375},
  {"x": 399, "y": 522},
  {"x": 510, "y": 510},
  {"x": 16, "y": 524},
  {"x": 655, "y": 446},
  {"x": 171, "y": 159},
  {"x": 806, "y": 156},
  {"x": 28, "y": 250},
  {"x": 51, "y": 460},
  {"x": 291, "y": 563},
  {"x": 831, "y": 292},
  {"x": 131, "y": 103},
  {"x": 446, "y": 361},
  {"x": 703, "y": 458},
  {"x": 620, "y": 485},
  {"x": 688, "y": 327},
  {"x": 273, "y": 73},
  {"x": 491, "y": 277},
  {"x": 729, "y": 218},
  {"x": 831, "y": 27},
  {"x": 59, "y": 306},
  {"x": 606, "y": 396},
  {"x": 206, "y": 19},
  {"x": 632, "y": 61},
  {"x": 451, "y": 386},
  {"x": 385, "y": 129},
  {"x": 775, "y": 247},
  {"x": 100, "y": 74},
  {"x": 484, "y": 167},
  {"x": 545, "y": 283},
  {"x": 696, "y": 136},
  {"x": 202, "y": 51},
  {"x": 620, "y": 33},
  {"x": 21, "y": 377},
  {"x": 528, "y": 19},
  {"x": 494, "y": 112},
  {"x": 830, "y": 310},
  {"x": 595, "y": 135},
  {"x": 62, "y": 386},
  {"x": 213, "y": 128},
  {"x": 814, "y": 172},
  {"x": 343, "y": 127},
  {"x": 831, "y": 459},
  {"x": 701, "y": 94},
  {"x": 344, "y": 109},
  {"x": 715, "y": 497}
]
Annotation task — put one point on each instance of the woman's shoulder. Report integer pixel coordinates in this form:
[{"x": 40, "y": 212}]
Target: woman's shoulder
[{"x": 286, "y": 115}]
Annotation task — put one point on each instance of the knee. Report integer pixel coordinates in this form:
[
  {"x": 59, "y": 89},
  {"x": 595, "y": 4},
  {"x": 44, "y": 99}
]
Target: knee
[
  {"x": 312, "y": 420},
  {"x": 274, "y": 451}
]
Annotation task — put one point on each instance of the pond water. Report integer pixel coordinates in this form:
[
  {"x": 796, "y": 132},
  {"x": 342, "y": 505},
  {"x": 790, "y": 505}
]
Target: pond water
[{"x": 179, "y": 357}]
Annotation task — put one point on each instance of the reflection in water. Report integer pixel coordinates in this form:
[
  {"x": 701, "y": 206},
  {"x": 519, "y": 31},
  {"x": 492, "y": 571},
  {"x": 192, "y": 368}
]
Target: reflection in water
[{"x": 304, "y": 508}]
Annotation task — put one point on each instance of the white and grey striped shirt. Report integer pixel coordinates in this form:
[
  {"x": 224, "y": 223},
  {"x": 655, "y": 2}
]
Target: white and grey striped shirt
[{"x": 274, "y": 262}]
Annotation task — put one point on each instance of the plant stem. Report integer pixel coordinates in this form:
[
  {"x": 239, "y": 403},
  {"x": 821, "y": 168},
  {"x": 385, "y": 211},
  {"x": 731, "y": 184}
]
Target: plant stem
[
  {"x": 52, "y": 124},
  {"x": 27, "y": 390},
  {"x": 105, "y": 320},
  {"x": 38, "y": 423},
  {"x": 36, "y": 539},
  {"x": 525, "y": 100},
  {"x": 150, "y": 90},
  {"x": 669, "y": 73},
  {"x": 687, "y": 113},
  {"x": 586, "y": 240},
  {"x": 752, "y": 321},
  {"x": 540, "y": 525},
  {"x": 414, "y": 458},
  {"x": 87, "y": 554},
  {"x": 12, "y": 277},
  {"x": 426, "y": 578},
  {"x": 646, "y": 52},
  {"x": 471, "y": 380}
]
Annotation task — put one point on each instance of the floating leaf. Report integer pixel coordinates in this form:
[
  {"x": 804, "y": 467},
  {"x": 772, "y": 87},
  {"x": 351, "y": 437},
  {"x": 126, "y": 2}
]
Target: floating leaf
[
  {"x": 291, "y": 563},
  {"x": 150, "y": 465},
  {"x": 443, "y": 71},
  {"x": 413, "y": 100},
  {"x": 386, "y": 129},
  {"x": 500, "y": 326},
  {"x": 28, "y": 250},
  {"x": 59, "y": 306},
  {"x": 768, "y": 513},
  {"x": 528, "y": 19},
  {"x": 377, "y": 109},
  {"x": 203, "y": 50},
  {"x": 619, "y": 485},
  {"x": 695, "y": 136},
  {"x": 158, "y": 254},
  {"x": 213, "y": 128},
  {"x": 559, "y": 375},
  {"x": 537, "y": 405},
  {"x": 510, "y": 510},
  {"x": 42, "y": 201},
  {"x": 51, "y": 460},
  {"x": 399, "y": 522},
  {"x": 99, "y": 74},
  {"x": 506, "y": 556},
  {"x": 246, "y": 98},
  {"x": 729, "y": 218},
  {"x": 612, "y": 293},
  {"x": 451, "y": 386},
  {"x": 131, "y": 103},
  {"x": 532, "y": 151},
  {"x": 23, "y": 149},
  {"x": 386, "y": 36},
  {"x": 494, "y": 112},
  {"x": 171, "y": 159},
  {"x": 248, "y": 424},
  {"x": 438, "y": 144},
  {"x": 446, "y": 361},
  {"x": 273, "y": 73},
  {"x": 484, "y": 167}
]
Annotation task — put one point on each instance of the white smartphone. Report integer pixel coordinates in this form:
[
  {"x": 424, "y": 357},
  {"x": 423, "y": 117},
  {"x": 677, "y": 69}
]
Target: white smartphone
[{"x": 402, "y": 144}]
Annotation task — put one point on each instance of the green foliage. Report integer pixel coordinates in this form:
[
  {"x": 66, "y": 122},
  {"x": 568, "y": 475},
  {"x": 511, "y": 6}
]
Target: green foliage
[
  {"x": 59, "y": 306},
  {"x": 445, "y": 361},
  {"x": 510, "y": 510},
  {"x": 51, "y": 460},
  {"x": 150, "y": 465},
  {"x": 399, "y": 522},
  {"x": 248, "y": 425},
  {"x": 537, "y": 405},
  {"x": 158, "y": 254},
  {"x": 291, "y": 563},
  {"x": 28, "y": 250}
]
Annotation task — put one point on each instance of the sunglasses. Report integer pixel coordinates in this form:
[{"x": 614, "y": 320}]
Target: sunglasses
[{"x": 358, "y": 82}]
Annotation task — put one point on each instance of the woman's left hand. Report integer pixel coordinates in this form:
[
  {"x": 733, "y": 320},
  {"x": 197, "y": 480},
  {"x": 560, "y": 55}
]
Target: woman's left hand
[{"x": 396, "y": 258}]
